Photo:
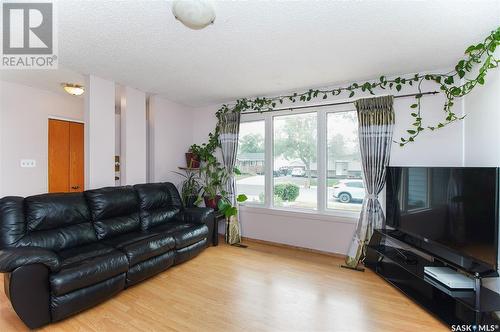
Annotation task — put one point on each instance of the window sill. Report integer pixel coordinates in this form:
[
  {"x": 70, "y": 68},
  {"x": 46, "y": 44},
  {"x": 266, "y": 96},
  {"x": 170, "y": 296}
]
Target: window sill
[{"x": 348, "y": 217}]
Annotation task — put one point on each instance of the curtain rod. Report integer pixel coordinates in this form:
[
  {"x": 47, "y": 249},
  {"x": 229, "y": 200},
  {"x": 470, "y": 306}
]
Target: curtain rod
[{"x": 333, "y": 104}]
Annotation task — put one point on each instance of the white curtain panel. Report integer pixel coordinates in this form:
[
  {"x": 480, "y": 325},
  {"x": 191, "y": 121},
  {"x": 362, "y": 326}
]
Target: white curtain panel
[{"x": 375, "y": 130}]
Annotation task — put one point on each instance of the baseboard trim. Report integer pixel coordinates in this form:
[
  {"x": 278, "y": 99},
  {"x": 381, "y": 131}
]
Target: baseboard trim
[{"x": 289, "y": 246}]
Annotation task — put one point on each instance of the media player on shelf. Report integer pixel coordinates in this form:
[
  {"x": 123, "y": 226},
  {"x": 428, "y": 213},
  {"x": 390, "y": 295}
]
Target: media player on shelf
[{"x": 449, "y": 277}]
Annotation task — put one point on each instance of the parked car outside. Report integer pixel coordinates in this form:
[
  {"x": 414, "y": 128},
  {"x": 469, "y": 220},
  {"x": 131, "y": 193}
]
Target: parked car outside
[
  {"x": 347, "y": 191},
  {"x": 298, "y": 172}
]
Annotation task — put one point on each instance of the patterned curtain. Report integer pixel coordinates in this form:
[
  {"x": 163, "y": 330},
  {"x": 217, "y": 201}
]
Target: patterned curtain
[
  {"x": 229, "y": 126},
  {"x": 375, "y": 128}
]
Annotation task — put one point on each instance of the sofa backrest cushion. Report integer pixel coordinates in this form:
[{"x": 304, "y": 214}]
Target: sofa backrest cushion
[
  {"x": 159, "y": 203},
  {"x": 49, "y": 211},
  {"x": 114, "y": 210},
  {"x": 12, "y": 223},
  {"x": 57, "y": 221}
]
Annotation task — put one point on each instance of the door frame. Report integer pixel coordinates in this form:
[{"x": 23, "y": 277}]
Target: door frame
[{"x": 55, "y": 117}]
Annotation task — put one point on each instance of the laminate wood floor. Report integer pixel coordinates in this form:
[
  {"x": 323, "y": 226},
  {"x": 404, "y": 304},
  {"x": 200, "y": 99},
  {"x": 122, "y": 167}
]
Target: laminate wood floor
[{"x": 261, "y": 288}]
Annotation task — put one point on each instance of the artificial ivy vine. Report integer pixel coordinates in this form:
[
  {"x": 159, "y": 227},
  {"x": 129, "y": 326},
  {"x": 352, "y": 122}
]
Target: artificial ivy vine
[{"x": 453, "y": 85}]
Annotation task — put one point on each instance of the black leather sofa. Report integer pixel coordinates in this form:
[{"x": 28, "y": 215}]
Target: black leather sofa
[{"x": 63, "y": 253}]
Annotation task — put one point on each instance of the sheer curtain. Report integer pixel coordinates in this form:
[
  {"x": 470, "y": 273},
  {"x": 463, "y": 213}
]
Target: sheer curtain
[
  {"x": 375, "y": 128},
  {"x": 229, "y": 127}
]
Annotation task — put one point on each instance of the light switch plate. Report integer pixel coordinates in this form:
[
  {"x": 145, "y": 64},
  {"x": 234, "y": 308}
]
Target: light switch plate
[{"x": 28, "y": 163}]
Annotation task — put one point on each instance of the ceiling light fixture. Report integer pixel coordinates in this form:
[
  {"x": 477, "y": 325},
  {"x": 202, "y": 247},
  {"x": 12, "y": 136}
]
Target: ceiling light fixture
[
  {"x": 195, "y": 14},
  {"x": 73, "y": 89}
]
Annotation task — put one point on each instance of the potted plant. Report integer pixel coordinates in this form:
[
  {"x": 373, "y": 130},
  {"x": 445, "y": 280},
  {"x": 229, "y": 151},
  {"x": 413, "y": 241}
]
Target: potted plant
[
  {"x": 214, "y": 177},
  {"x": 193, "y": 156},
  {"x": 190, "y": 188}
]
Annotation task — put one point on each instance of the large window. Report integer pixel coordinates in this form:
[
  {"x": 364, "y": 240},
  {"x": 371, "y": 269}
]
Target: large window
[
  {"x": 295, "y": 160},
  {"x": 345, "y": 189},
  {"x": 307, "y": 161},
  {"x": 250, "y": 161}
]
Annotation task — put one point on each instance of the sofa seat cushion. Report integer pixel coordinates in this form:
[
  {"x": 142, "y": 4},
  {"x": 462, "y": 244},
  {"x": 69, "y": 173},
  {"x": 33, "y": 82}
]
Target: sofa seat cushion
[
  {"x": 141, "y": 246},
  {"x": 185, "y": 234},
  {"x": 87, "y": 265}
]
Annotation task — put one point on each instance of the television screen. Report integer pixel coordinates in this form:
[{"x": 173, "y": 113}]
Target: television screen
[{"x": 455, "y": 208}]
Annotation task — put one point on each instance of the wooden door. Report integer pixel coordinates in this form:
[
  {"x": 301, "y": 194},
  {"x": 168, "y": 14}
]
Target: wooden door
[{"x": 66, "y": 151}]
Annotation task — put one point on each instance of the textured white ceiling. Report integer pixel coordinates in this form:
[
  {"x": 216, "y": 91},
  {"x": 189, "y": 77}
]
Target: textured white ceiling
[{"x": 262, "y": 48}]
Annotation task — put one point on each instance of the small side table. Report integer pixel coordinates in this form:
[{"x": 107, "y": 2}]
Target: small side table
[{"x": 218, "y": 217}]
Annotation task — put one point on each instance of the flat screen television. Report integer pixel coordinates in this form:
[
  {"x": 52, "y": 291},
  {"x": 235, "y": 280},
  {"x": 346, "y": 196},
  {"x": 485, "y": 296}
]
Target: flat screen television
[{"x": 449, "y": 212}]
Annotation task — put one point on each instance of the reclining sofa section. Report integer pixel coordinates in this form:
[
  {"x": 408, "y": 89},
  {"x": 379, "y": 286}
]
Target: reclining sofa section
[{"x": 64, "y": 253}]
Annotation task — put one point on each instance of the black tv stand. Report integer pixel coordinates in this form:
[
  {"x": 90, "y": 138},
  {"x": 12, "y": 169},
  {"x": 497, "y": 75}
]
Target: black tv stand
[{"x": 402, "y": 265}]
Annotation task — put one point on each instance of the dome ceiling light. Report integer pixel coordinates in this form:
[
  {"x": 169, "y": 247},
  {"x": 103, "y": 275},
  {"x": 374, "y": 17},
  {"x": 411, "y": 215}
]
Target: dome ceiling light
[
  {"x": 195, "y": 14},
  {"x": 73, "y": 89}
]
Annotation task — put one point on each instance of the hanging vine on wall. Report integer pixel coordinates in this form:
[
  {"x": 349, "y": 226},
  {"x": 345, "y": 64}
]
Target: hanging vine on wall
[{"x": 453, "y": 85}]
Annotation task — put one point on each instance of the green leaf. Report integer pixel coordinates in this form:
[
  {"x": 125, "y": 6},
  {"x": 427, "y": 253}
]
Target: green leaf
[
  {"x": 237, "y": 171},
  {"x": 351, "y": 94},
  {"x": 414, "y": 106},
  {"x": 223, "y": 205},
  {"x": 414, "y": 115},
  {"x": 241, "y": 198},
  {"x": 398, "y": 87},
  {"x": 232, "y": 211},
  {"x": 470, "y": 49},
  {"x": 455, "y": 92},
  {"x": 411, "y": 132}
]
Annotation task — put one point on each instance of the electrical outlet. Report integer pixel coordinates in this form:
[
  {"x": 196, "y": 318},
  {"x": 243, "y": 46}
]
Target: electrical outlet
[{"x": 28, "y": 163}]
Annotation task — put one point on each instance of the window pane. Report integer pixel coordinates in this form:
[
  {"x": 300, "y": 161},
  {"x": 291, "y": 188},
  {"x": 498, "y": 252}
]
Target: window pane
[
  {"x": 345, "y": 185},
  {"x": 250, "y": 161},
  {"x": 418, "y": 191},
  {"x": 295, "y": 164}
]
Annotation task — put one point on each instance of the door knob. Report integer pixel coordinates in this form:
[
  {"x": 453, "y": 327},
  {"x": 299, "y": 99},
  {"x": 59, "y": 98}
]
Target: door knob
[{"x": 75, "y": 187}]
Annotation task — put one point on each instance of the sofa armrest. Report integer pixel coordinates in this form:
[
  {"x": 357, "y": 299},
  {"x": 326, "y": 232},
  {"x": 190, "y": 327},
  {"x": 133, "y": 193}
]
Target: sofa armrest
[
  {"x": 201, "y": 215},
  {"x": 12, "y": 258}
]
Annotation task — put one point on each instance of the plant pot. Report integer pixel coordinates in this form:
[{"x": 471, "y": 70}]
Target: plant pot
[
  {"x": 190, "y": 200},
  {"x": 192, "y": 160},
  {"x": 212, "y": 202}
]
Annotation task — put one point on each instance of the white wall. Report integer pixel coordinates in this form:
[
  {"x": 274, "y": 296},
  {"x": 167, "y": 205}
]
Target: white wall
[
  {"x": 24, "y": 113},
  {"x": 133, "y": 136},
  {"x": 482, "y": 124},
  {"x": 99, "y": 132},
  {"x": 170, "y": 135},
  {"x": 118, "y": 139},
  {"x": 333, "y": 233}
]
